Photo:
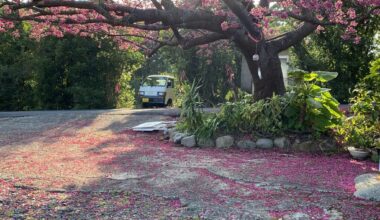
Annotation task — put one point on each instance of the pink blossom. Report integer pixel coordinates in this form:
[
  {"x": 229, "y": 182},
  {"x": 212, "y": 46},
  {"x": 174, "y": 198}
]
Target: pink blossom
[{"x": 224, "y": 25}]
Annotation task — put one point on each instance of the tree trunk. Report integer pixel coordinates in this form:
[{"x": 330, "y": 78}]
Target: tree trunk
[{"x": 271, "y": 80}]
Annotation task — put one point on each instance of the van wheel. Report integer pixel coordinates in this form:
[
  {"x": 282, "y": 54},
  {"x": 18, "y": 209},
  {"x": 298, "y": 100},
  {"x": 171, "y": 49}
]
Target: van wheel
[{"x": 170, "y": 103}]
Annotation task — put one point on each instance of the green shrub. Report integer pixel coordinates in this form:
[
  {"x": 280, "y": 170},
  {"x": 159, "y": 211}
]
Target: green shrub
[
  {"x": 191, "y": 116},
  {"x": 311, "y": 107},
  {"x": 366, "y": 99},
  {"x": 359, "y": 132},
  {"x": 363, "y": 128},
  {"x": 263, "y": 117},
  {"x": 209, "y": 126},
  {"x": 126, "y": 95},
  {"x": 307, "y": 107},
  {"x": 180, "y": 89}
]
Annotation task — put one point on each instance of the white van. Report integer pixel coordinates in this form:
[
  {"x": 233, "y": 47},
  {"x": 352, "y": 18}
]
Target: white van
[{"x": 157, "y": 90}]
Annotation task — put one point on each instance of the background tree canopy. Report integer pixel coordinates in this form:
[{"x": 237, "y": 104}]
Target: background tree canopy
[
  {"x": 82, "y": 72},
  {"x": 328, "y": 52},
  {"x": 195, "y": 65},
  {"x": 65, "y": 73}
]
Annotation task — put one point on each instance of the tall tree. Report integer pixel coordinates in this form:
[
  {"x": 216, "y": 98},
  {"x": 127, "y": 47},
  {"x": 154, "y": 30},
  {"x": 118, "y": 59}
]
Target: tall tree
[
  {"x": 197, "y": 22},
  {"x": 326, "y": 51},
  {"x": 16, "y": 72}
]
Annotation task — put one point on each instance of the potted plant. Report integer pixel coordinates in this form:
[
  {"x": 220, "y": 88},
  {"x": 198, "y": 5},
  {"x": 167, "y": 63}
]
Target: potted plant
[
  {"x": 355, "y": 133},
  {"x": 362, "y": 130}
]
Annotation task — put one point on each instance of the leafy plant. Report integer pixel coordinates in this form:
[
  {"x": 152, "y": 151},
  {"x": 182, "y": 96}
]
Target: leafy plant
[
  {"x": 191, "y": 116},
  {"x": 306, "y": 107},
  {"x": 312, "y": 107},
  {"x": 366, "y": 99},
  {"x": 358, "y": 132},
  {"x": 263, "y": 117},
  {"x": 209, "y": 126},
  {"x": 363, "y": 128}
]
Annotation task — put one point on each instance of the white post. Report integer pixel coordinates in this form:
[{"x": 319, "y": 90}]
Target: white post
[{"x": 378, "y": 155}]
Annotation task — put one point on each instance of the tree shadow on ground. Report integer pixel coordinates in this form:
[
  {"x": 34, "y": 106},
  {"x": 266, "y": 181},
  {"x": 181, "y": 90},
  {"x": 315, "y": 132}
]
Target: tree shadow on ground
[{"x": 108, "y": 171}]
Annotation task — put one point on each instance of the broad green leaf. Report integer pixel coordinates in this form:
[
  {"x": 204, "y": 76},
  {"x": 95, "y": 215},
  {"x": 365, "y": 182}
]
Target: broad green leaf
[
  {"x": 334, "y": 112},
  {"x": 310, "y": 77},
  {"x": 298, "y": 74},
  {"x": 324, "y": 76},
  {"x": 313, "y": 103}
]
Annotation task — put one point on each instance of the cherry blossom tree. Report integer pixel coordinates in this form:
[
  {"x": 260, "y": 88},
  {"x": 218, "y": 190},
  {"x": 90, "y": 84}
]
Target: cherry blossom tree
[{"x": 251, "y": 26}]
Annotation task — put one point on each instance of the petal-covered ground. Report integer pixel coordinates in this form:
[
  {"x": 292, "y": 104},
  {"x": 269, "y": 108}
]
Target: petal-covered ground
[{"x": 91, "y": 165}]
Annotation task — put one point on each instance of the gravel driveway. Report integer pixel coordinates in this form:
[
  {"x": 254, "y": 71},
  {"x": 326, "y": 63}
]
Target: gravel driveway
[{"x": 89, "y": 164}]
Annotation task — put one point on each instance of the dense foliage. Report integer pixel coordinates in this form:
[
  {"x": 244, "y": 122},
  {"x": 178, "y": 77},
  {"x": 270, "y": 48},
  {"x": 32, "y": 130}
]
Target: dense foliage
[
  {"x": 64, "y": 73},
  {"x": 327, "y": 51},
  {"x": 306, "y": 108},
  {"x": 208, "y": 67},
  {"x": 255, "y": 27},
  {"x": 311, "y": 107},
  {"x": 363, "y": 128},
  {"x": 16, "y": 77}
]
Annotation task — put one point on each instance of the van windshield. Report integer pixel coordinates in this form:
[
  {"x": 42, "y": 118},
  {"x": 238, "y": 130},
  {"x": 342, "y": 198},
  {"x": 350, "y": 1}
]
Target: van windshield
[{"x": 155, "y": 81}]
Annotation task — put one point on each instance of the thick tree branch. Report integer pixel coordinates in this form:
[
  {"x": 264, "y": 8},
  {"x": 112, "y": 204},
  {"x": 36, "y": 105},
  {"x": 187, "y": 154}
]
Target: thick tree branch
[
  {"x": 292, "y": 37},
  {"x": 239, "y": 10},
  {"x": 157, "y": 4},
  {"x": 168, "y": 6},
  {"x": 206, "y": 39},
  {"x": 176, "y": 17},
  {"x": 264, "y": 3}
]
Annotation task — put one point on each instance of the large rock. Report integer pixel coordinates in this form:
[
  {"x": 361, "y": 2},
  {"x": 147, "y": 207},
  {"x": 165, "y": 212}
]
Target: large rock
[
  {"x": 224, "y": 141},
  {"x": 282, "y": 142},
  {"x": 296, "y": 216},
  {"x": 324, "y": 145},
  {"x": 264, "y": 143},
  {"x": 189, "y": 141},
  {"x": 306, "y": 146},
  {"x": 178, "y": 137},
  {"x": 368, "y": 186},
  {"x": 171, "y": 132},
  {"x": 206, "y": 142},
  {"x": 246, "y": 144}
]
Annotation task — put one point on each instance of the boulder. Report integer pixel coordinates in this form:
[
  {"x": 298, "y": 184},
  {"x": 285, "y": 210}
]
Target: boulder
[
  {"x": 328, "y": 145},
  {"x": 282, "y": 142},
  {"x": 224, "y": 141},
  {"x": 322, "y": 145},
  {"x": 189, "y": 141},
  {"x": 171, "y": 132},
  {"x": 206, "y": 142},
  {"x": 246, "y": 144},
  {"x": 306, "y": 146},
  {"x": 178, "y": 137},
  {"x": 296, "y": 216},
  {"x": 368, "y": 186},
  {"x": 264, "y": 143}
]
